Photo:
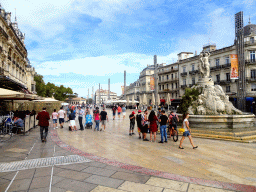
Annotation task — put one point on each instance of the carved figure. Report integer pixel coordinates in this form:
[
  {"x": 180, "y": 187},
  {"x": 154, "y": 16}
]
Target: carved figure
[{"x": 204, "y": 65}]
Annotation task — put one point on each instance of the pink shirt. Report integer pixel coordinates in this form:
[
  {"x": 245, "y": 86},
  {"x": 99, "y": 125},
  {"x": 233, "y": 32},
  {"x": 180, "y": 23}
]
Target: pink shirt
[
  {"x": 97, "y": 116},
  {"x": 119, "y": 109},
  {"x": 55, "y": 115}
]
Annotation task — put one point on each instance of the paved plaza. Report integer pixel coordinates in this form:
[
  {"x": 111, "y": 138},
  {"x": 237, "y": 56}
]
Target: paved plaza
[{"x": 114, "y": 161}]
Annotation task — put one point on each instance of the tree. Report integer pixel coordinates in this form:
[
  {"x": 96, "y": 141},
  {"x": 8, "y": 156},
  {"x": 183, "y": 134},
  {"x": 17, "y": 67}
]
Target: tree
[
  {"x": 62, "y": 93},
  {"x": 50, "y": 89},
  {"x": 40, "y": 85}
]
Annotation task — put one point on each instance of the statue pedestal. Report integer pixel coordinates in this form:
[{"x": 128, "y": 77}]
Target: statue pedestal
[{"x": 205, "y": 81}]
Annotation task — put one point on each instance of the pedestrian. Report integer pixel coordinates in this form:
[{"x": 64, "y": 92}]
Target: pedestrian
[
  {"x": 153, "y": 125},
  {"x": 119, "y": 110},
  {"x": 19, "y": 124},
  {"x": 103, "y": 118},
  {"x": 80, "y": 117},
  {"x": 54, "y": 119},
  {"x": 72, "y": 122},
  {"x": 139, "y": 118},
  {"x": 88, "y": 122},
  {"x": 132, "y": 123},
  {"x": 124, "y": 111},
  {"x": 145, "y": 122},
  {"x": 62, "y": 115},
  {"x": 114, "y": 112},
  {"x": 173, "y": 121},
  {"x": 163, "y": 121},
  {"x": 43, "y": 118},
  {"x": 96, "y": 119},
  {"x": 187, "y": 132}
]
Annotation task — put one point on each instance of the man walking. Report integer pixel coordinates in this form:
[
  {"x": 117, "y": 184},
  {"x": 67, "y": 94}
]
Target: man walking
[
  {"x": 114, "y": 112},
  {"x": 103, "y": 118},
  {"x": 80, "y": 118},
  {"x": 173, "y": 121},
  {"x": 163, "y": 120},
  {"x": 62, "y": 115},
  {"x": 43, "y": 118}
]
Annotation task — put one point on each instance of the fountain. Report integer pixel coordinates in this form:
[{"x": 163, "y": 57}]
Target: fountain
[{"x": 212, "y": 110}]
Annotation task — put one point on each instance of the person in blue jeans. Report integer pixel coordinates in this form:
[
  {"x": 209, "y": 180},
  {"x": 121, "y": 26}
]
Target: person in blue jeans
[{"x": 163, "y": 121}]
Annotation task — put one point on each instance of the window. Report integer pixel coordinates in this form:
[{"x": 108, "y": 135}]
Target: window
[
  {"x": 176, "y": 85},
  {"x": 163, "y": 87},
  {"x": 176, "y": 95},
  {"x": 172, "y": 95},
  {"x": 253, "y": 74},
  {"x": 172, "y": 85},
  {"x": 252, "y": 56},
  {"x": 184, "y": 69},
  {"x": 227, "y": 60},
  {"x": 217, "y": 62},
  {"x": 171, "y": 68},
  {"x": 227, "y": 89},
  {"x": 160, "y": 87},
  {"x": 193, "y": 81},
  {"x": 218, "y": 78},
  {"x": 228, "y": 76},
  {"x": 252, "y": 40},
  {"x": 253, "y": 87},
  {"x": 167, "y": 77},
  {"x": 172, "y": 76},
  {"x": 184, "y": 81},
  {"x": 167, "y": 86},
  {"x": 193, "y": 67},
  {"x": 159, "y": 78}
]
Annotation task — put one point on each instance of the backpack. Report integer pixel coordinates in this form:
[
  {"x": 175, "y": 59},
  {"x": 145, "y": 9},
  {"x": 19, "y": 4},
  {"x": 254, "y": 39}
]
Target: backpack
[{"x": 174, "y": 120}]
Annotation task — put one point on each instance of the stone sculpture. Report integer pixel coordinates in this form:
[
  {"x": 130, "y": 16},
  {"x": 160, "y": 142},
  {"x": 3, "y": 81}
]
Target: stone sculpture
[{"x": 212, "y": 100}]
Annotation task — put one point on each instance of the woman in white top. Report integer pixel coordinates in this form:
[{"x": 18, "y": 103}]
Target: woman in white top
[
  {"x": 54, "y": 119},
  {"x": 187, "y": 132}
]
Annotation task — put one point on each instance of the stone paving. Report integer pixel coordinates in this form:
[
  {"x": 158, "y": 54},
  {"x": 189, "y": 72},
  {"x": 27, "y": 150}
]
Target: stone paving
[{"x": 119, "y": 162}]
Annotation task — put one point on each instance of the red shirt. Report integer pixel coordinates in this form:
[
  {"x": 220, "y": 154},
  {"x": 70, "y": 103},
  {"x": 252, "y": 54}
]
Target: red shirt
[{"x": 43, "y": 118}]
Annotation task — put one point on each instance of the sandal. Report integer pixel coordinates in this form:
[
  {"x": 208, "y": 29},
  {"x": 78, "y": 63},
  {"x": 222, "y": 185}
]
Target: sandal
[
  {"x": 181, "y": 147},
  {"x": 195, "y": 147}
]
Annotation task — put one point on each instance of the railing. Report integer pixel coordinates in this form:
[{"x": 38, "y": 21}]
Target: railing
[
  {"x": 168, "y": 71},
  {"x": 3, "y": 32},
  {"x": 193, "y": 72},
  {"x": 19, "y": 51},
  {"x": 216, "y": 68},
  {"x": 249, "y": 79},
  {"x": 225, "y": 82},
  {"x": 250, "y": 61},
  {"x": 183, "y": 74},
  {"x": 227, "y": 65},
  {"x": 216, "y": 82},
  {"x": 183, "y": 86}
]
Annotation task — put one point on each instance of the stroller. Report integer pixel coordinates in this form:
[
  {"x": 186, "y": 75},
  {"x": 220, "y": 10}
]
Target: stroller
[{"x": 88, "y": 123}]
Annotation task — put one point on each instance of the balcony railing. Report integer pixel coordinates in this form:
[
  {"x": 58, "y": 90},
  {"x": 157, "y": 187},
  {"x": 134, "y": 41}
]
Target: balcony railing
[
  {"x": 216, "y": 82},
  {"x": 168, "y": 80},
  {"x": 193, "y": 72},
  {"x": 168, "y": 71},
  {"x": 216, "y": 68},
  {"x": 225, "y": 82},
  {"x": 250, "y": 61},
  {"x": 250, "y": 79},
  {"x": 19, "y": 51},
  {"x": 227, "y": 65},
  {"x": 183, "y": 86},
  {"x": 3, "y": 32},
  {"x": 183, "y": 74}
]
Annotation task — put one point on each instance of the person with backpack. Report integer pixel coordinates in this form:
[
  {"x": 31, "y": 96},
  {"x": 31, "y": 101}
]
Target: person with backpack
[
  {"x": 163, "y": 121},
  {"x": 139, "y": 118},
  {"x": 173, "y": 121},
  {"x": 132, "y": 123}
]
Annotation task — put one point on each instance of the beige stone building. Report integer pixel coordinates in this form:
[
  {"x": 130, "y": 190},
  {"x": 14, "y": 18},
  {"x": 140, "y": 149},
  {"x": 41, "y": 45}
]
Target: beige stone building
[
  {"x": 104, "y": 96},
  {"x": 16, "y": 72},
  {"x": 76, "y": 101},
  {"x": 133, "y": 90}
]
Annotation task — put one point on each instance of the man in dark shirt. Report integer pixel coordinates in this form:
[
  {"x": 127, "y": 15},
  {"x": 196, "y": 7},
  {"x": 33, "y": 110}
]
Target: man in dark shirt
[
  {"x": 132, "y": 123},
  {"x": 163, "y": 121},
  {"x": 43, "y": 118},
  {"x": 103, "y": 118},
  {"x": 114, "y": 112},
  {"x": 139, "y": 119}
]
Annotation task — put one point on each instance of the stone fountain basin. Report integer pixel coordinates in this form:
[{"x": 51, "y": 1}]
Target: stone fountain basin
[{"x": 222, "y": 121}]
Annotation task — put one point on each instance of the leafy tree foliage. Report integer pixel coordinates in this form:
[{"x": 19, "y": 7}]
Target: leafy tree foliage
[
  {"x": 48, "y": 90},
  {"x": 187, "y": 99}
]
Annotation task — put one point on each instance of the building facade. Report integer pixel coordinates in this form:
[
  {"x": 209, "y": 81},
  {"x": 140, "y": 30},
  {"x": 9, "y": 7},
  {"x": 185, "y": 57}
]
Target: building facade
[
  {"x": 16, "y": 72},
  {"x": 103, "y": 96},
  {"x": 76, "y": 101}
]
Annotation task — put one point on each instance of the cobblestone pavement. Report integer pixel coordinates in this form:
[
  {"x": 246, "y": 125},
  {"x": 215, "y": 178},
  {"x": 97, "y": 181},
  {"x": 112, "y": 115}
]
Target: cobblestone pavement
[{"x": 116, "y": 161}]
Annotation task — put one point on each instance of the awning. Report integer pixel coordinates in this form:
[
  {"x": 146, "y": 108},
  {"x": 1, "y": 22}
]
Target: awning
[
  {"x": 6, "y": 94},
  {"x": 47, "y": 99}
]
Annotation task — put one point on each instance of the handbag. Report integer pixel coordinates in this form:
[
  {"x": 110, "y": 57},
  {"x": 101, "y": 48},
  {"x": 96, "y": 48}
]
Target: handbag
[{"x": 182, "y": 130}]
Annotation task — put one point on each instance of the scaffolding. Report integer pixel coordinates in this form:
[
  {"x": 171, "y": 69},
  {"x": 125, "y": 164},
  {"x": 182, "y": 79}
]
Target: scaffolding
[{"x": 239, "y": 41}]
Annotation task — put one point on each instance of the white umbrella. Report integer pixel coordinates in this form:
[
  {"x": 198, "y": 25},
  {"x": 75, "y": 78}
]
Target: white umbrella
[
  {"x": 153, "y": 99},
  {"x": 127, "y": 99},
  {"x": 168, "y": 100}
]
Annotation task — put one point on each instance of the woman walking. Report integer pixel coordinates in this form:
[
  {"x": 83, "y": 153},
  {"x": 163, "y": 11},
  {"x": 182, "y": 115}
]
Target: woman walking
[
  {"x": 153, "y": 125},
  {"x": 97, "y": 119},
  {"x": 187, "y": 133}
]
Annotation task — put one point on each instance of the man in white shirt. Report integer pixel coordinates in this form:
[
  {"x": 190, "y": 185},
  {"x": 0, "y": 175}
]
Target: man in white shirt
[
  {"x": 80, "y": 117},
  {"x": 62, "y": 115}
]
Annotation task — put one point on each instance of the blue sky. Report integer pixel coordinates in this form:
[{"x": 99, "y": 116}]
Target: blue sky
[{"x": 81, "y": 43}]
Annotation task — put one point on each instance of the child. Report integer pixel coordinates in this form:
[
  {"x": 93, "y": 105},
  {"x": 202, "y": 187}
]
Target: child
[{"x": 132, "y": 123}]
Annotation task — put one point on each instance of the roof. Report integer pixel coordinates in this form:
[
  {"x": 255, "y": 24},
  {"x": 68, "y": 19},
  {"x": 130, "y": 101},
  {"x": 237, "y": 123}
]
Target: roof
[{"x": 248, "y": 29}]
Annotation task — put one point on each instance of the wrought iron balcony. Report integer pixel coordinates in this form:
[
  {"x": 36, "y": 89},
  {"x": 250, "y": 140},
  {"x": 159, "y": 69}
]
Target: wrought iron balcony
[
  {"x": 216, "y": 68},
  {"x": 250, "y": 79},
  {"x": 183, "y": 74},
  {"x": 227, "y": 65},
  {"x": 225, "y": 82},
  {"x": 193, "y": 72},
  {"x": 250, "y": 62},
  {"x": 216, "y": 82}
]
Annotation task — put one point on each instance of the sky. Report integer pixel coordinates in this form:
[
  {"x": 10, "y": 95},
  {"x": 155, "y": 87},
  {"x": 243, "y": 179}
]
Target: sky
[{"x": 81, "y": 43}]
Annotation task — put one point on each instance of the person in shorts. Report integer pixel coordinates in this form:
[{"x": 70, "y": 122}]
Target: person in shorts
[
  {"x": 62, "y": 115},
  {"x": 132, "y": 123},
  {"x": 54, "y": 119},
  {"x": 72, "y": 122},
  {"x": 103, "y": 118},
  {"x": 187, "y": 132},
  {"x": 119, "y": 110},
  {"x": 114, "y": 112},
  {"x": 124, "y": 111}
]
